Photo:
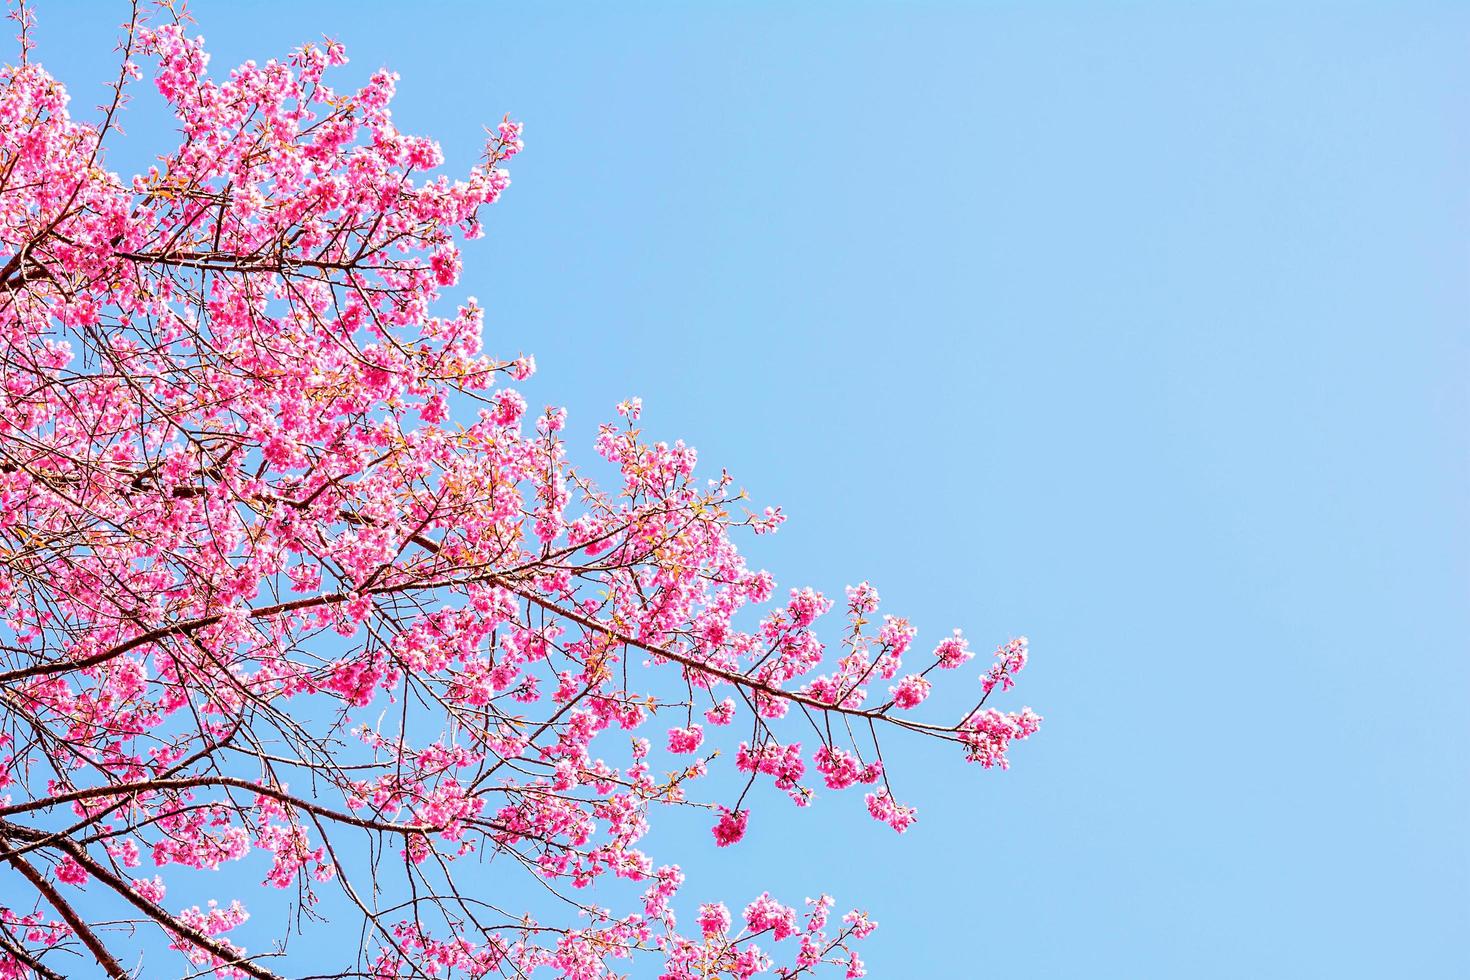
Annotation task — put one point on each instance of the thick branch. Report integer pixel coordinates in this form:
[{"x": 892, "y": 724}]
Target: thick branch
[{"x": 69, "y": 915}]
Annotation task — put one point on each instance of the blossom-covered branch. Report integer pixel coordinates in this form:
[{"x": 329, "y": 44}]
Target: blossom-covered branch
[{"x": 289, "y": 574}]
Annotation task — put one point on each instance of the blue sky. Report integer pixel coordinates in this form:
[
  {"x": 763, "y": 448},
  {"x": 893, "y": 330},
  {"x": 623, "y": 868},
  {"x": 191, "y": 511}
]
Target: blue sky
[{"x": 1140, "y": 329}]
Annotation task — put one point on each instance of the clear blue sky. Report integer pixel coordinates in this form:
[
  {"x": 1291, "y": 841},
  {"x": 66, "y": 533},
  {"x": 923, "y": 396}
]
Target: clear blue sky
[{"x": 1140, "y": 329}]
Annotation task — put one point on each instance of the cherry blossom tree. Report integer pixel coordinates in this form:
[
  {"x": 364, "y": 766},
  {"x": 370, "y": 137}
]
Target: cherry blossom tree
[{"x": 292, "y": 578}]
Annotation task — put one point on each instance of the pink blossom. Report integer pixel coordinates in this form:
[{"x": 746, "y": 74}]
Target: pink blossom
[
  {"x": 765, "y": 913},
  {"x": 714, "y": 919},
  {"x": 883, "y": 807},
  {"x": 69, "y": 871},
  {"x": 685, "y": 739},
  {"x": 722, "y": 713},
  {"x": 910, "y": 692},
  {"x": 731, "y": 826},
  {"x": 952, "y": 651}
]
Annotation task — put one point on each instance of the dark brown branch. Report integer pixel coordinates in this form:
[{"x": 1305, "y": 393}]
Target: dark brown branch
[{"x": 69, "y": 915}]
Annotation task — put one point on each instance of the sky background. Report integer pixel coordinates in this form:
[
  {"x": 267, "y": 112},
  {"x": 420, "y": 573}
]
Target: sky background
[{"x": 1138, "y": 329}]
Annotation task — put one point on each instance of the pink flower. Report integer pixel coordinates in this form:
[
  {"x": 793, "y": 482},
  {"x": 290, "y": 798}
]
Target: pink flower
[
  {"x": 806, "y": 605},
  {"x": 71, "y": 872},
  {"x": 1010, "y": 660},
  {"x": 862, "y": 599},
  {"x": 910, "y": 692},
  {"x": 731, "y": 826},
  {"x": 883, "y": 807},
  {"x": 987, "y": 734},
  {"x": 446, "y": 265},
  {"x": 523, "y": 367},
  {"x": 435, "y": 409},
  {"x": 151, "y": 889},
  {"x": 765, "y": 913},
  {"x": 714, "y": 919},
  {"x": 509, "y": 407},
  {"x": 722, "y": 713},
  {"x": 952, "y": 651},
  {"x": 685, "y": 739}
]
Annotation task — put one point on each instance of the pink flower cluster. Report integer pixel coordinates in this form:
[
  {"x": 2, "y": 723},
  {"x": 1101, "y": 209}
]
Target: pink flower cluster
[
  {"x": 730, "y": 828},
  {"x": 686, "y": 739}
]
